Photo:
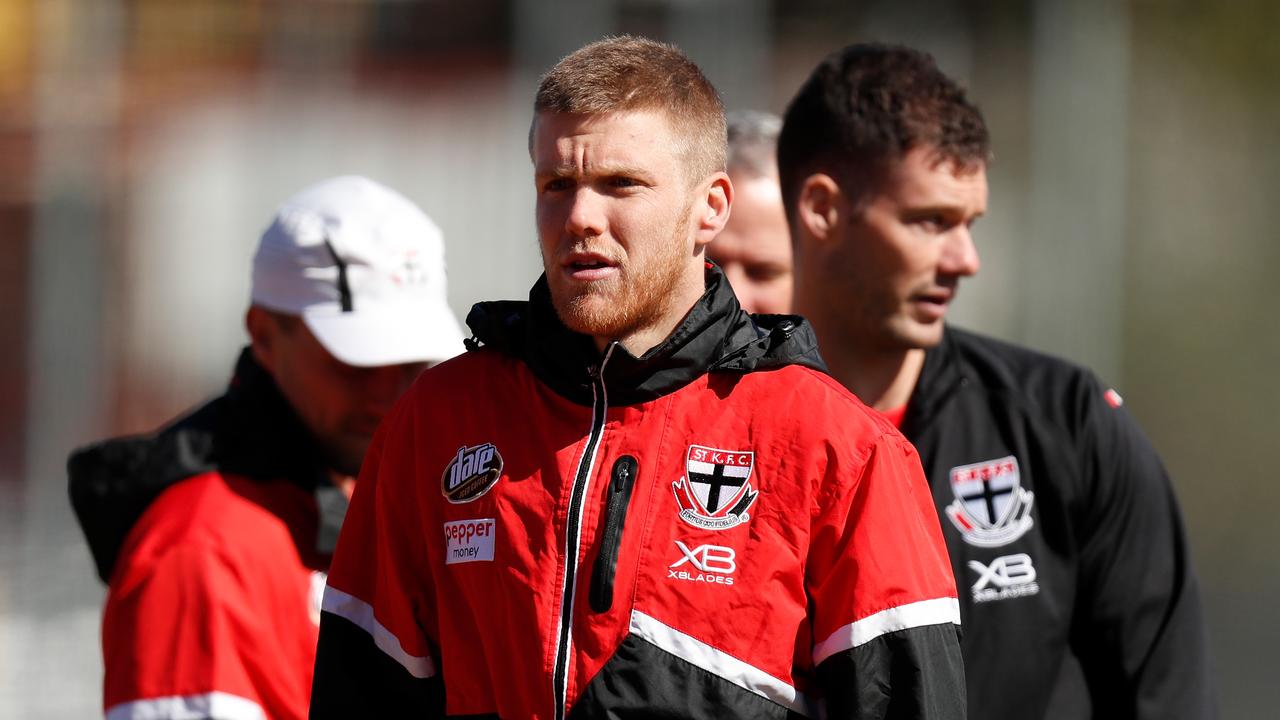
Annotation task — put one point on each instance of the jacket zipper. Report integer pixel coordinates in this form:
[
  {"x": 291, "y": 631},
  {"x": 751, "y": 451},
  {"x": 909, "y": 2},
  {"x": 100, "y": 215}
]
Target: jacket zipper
[
  {"x": 620, "y": 484},
  {"x": 573, "y": 536}
]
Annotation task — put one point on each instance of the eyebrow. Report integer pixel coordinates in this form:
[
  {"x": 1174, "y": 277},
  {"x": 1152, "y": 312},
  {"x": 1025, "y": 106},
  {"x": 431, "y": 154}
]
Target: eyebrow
[
  {"x": 939, "y": 209},
  {"x": 605, "y": 170}
]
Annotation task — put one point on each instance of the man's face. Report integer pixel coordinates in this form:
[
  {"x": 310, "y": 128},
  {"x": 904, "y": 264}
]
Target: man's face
[
  {"x": 340, "y": 404},
  {"x": 614, "y": 202},
  {"x": 754, "y": 249},
  {"x": 901, "y": 257}
]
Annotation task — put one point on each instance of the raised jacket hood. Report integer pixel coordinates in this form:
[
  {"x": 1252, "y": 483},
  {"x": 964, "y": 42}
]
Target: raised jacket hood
[
  {"x": 716, "y": 335},
  {"x": 249, "y": 431}
]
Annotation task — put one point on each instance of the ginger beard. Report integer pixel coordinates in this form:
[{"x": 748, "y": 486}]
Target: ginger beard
[{"x": 637, "y": 297}]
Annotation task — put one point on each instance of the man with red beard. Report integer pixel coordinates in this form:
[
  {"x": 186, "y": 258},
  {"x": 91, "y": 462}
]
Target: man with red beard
[{"x": 629, "y": 499}]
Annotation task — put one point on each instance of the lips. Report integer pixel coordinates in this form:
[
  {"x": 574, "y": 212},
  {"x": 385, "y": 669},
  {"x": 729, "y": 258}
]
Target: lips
[
  {"x": 932, "y": 305},
  {"x": 588, "y": 266}
]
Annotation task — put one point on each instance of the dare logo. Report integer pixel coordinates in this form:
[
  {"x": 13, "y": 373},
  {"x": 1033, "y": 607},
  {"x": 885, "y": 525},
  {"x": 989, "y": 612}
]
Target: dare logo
[{"x": 471, "y": 473}]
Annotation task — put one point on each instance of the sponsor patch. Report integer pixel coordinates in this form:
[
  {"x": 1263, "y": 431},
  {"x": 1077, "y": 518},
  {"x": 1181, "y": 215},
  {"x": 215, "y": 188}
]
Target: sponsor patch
[
  {"x": 469, "y": 540},
  {"x": 471, "y": 473},
  {"x": 991, "y": 506},
  {"x": 1006, "y": 577},
  {"x": 711, "y": 564},
  {"x": 715, "y": 491}
]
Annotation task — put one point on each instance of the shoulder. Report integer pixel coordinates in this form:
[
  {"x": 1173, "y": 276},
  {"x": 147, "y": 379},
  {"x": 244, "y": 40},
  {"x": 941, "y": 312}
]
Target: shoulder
[
  {"x": 818, "y": 409},
  {"x": 471, "y": 372},
  {"x": 1044, "y": 384},
  {"x": 1002, "y": 363},
  {"x": 461, "y": 385},
  {"x": 213, "y": 520}
]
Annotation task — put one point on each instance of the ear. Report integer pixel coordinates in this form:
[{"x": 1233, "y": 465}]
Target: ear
[
  {"x": 818, "y": 207},
  {"x": 713, "y": 211},
  {"x": 263, "y": 330}
]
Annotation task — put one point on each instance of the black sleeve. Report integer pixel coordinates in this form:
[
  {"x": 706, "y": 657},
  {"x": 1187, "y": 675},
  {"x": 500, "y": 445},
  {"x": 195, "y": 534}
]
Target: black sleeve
[
  {"x": 913, "y": 673},
  {"x": 355, "y": 679},
  {"x": 1139, "y": 628}
]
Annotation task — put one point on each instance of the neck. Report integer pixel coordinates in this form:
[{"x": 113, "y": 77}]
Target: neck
[
  {"x": 651, "y": 334},
  {"x": 643, "y": 340},
  {"x": 883, "y": 380}
]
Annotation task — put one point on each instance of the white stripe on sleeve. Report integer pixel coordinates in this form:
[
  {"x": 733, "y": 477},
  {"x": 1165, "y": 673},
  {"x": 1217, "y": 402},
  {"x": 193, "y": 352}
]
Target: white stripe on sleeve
[
  {"x": 917, "y": 614},
  {"x": 215, "y": 705},
  {"x": 719, "y": 663},
  {"x": 361, "y": 613}
]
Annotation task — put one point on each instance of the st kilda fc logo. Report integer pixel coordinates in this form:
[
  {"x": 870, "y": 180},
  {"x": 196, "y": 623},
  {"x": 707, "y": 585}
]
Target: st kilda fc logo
[
  {"x": 471, "y": 473},
  {"x": 715, "y": 492},
  {"x": 991, "y": 507}
]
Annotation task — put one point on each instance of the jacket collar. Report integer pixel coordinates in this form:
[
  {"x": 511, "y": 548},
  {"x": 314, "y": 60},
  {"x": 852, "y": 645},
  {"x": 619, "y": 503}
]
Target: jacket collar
[{"x": 715, "y": 335}]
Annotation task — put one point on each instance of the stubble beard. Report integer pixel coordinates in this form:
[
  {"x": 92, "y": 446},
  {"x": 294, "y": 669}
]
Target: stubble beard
[{"x": 627, "y": 303}]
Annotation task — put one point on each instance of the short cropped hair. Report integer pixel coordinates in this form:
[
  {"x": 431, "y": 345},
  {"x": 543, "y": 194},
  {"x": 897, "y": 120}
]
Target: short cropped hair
[
  {"x": 863, "y": 109},
  {"x": 753, "y": 143},
  {"x": 629, "y": 74}
]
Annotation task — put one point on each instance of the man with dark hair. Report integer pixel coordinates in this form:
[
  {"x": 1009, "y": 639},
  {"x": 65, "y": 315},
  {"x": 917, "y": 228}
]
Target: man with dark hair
[
  {"x": 214, "y": 534},
  {"x": 754, "y": 250},
  {"x": 1078, "y": 595},
  {"x": 629, "y": 499}
]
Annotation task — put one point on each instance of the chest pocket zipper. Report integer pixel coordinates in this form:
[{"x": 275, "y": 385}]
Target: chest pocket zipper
[{"x": 622, "y": 480}]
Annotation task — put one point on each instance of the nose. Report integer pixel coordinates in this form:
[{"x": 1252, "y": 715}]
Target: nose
[
  {"x": 585, "y": 217},
  {"x": 959, "y": 254}
]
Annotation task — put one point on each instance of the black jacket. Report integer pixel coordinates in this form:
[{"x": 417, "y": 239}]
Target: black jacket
[{"x": 1077, "y": 594}]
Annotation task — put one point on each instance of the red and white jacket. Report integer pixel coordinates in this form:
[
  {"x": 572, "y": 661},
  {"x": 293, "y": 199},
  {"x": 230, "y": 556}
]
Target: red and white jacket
[
  {"x": 213, "y": 535},
  {"x": 715, "y": 529}
]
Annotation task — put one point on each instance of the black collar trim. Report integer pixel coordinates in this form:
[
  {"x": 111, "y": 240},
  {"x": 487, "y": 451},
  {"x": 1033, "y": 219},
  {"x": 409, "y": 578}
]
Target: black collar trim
[{"x": 715, "y": 335}]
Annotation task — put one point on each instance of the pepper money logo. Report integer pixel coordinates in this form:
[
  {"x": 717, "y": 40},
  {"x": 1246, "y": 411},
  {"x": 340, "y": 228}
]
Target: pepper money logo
[{"x": 471, "y": 473}]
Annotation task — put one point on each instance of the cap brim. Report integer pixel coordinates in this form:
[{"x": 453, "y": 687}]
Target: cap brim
[{"x": 388, "y": 335}]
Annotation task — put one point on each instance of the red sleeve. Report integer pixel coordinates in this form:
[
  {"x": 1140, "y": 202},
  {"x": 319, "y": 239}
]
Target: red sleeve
[
  {"x": 885, "y": 614},
  {"x": 181, "y": 637},
  {"x": 377, "y": 632}
]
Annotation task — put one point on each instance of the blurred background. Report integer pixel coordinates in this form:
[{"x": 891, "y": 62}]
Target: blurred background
[{"x": 145, "y": 143}]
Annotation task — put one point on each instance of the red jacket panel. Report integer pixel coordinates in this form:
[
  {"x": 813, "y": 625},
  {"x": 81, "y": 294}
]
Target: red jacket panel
[{"x": 211, "y": 607}]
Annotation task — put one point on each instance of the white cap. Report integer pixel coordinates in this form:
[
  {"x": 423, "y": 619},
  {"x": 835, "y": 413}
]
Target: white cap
[{"x": 364, "y": 268}]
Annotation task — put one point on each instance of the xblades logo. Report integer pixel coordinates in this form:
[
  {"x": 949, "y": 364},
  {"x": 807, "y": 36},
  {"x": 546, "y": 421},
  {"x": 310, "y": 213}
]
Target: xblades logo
[
  {"x": 713, "y": 564},
  {"x": 1006, "y": 577}
]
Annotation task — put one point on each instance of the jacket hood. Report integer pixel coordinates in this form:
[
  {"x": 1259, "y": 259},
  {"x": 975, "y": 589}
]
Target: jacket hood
[
  {"x": 250, "y": 431},
  {"x": 716, "y": 335}
]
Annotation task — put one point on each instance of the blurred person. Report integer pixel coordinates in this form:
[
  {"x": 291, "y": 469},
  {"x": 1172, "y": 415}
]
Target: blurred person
[
  {"x": 215, "y": 533},
  {"x": 1078, "y": 595},
  {"x": 754, "y": 249},
  {"x": 629, "y": 499}
]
